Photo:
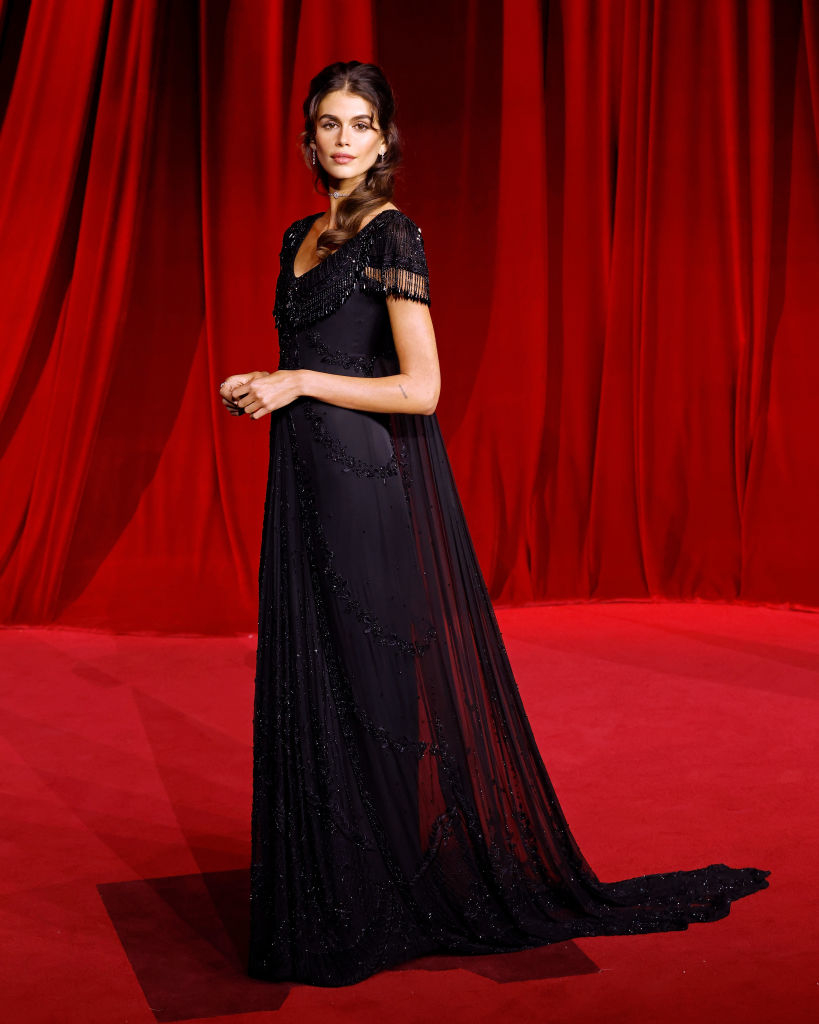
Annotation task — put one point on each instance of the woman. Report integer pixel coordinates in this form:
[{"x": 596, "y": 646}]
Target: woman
[{"x": 400, "y": 805}]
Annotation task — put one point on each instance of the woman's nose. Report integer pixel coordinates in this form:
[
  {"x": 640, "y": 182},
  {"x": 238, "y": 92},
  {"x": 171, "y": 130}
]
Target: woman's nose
[{"x": 343, "y": 134}]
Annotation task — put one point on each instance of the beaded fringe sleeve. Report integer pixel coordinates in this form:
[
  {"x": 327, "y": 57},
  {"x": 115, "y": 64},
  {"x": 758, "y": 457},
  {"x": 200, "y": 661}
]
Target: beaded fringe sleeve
[{"x": 385, "y": 258}]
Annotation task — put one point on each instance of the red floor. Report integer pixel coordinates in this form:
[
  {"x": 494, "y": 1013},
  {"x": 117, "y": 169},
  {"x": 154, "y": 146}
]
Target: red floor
[{"x": 676, "y": 735}]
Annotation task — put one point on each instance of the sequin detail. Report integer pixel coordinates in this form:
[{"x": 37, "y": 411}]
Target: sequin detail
[
  {"x": 337, "y": 450},
  {"x": 365, "y": 365},
  {"x": 335, "y": 582},
  {"x": 386, "y": 258}
]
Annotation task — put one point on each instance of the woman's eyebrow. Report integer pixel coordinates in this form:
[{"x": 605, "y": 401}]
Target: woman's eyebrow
[{"x": 356, "y": 117}]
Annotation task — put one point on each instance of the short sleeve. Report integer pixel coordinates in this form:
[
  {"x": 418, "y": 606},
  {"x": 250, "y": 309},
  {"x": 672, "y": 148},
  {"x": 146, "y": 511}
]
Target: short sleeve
[{"x": 395, "y": 263}]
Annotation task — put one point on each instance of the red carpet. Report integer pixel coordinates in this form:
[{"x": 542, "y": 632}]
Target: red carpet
[{"x": 677, "y": 735}]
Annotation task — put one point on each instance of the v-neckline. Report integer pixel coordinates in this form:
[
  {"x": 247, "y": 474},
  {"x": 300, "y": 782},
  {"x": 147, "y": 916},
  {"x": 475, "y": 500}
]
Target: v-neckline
[{"x": 298, "y": 277}]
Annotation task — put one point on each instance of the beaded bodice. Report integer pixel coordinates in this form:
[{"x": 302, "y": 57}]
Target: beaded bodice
[{"x": 385, "y": 258}]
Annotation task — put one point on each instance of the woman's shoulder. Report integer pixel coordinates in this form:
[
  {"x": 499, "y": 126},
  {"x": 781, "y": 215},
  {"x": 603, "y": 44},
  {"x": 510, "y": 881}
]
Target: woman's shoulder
[
  {"x": 391, "y": 230},
  {"x": 385, "y": 208},
  {"x": 391, "y": 218}
]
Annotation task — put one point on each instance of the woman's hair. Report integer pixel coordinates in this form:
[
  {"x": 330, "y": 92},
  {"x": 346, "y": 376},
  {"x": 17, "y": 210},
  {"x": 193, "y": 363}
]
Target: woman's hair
[{"x": 368, "y": 82}]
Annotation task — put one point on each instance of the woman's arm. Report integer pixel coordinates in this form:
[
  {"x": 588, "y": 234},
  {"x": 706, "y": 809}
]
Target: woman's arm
[{"x": 414, "y": 389}]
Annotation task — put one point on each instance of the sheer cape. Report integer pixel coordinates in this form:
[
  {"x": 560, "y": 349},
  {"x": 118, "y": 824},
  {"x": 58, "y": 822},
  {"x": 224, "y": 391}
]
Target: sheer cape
[{"x": 400, "y": 804}]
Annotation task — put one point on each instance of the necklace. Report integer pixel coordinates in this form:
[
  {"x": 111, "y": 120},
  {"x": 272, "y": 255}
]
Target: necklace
[{"x": 339, "y": 195}]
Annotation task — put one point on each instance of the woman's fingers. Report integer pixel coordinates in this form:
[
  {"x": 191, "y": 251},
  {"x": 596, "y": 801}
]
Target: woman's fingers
[
  {"x": 231, "y": 400},
  {"x": 236, "y": 380},
  {"x": 254, "y": 407},
  {"x": 235, "y": 394},
  {"x": 257, "y": 394}
]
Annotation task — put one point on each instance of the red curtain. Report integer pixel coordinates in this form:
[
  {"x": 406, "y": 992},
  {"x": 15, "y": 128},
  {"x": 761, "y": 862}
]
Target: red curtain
[{"x": 620, "y": 202}]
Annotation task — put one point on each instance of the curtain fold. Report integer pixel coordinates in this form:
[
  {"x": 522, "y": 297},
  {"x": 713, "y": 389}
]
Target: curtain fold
[{"x": 620, "y": 206}]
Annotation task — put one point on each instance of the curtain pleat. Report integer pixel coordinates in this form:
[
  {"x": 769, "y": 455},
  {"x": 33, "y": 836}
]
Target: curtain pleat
[{"x": 619, "y": 206}]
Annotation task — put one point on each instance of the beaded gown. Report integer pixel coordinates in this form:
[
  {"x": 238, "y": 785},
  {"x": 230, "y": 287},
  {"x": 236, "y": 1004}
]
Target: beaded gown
[{"x": 400, "y": 804}]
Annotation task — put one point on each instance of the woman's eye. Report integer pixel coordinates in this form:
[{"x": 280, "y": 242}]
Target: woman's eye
[
  {"x": 362, "y": 125},
  {"x": 329, "y": 124}
]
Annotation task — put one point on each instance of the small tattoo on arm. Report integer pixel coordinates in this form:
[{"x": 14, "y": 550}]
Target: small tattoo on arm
[{"x": 403, "y": 392}]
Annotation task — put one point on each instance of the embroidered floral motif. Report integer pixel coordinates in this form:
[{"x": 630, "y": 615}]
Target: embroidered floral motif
[
  {"x": 337, "y": 450},
  {"x": 338, "y": 585},
  {"x": 365, "y": 365}
]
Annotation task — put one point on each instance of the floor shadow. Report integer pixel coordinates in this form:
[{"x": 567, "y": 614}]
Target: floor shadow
[
  {"x": 557, "y": 960},
  {"x": 186, "y": 939}
]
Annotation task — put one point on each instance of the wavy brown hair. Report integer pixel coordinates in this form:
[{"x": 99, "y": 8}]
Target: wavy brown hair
[{"x": 368, "y": 82}]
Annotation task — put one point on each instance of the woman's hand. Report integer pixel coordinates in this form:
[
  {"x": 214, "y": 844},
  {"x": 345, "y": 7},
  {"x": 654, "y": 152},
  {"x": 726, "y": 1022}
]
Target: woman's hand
[
  {"x": 235, "y": 387},
  {"x": 269, "y": 392}
]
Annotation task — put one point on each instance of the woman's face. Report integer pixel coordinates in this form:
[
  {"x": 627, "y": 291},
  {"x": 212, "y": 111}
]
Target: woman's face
[{"x": 348, "y": 139}]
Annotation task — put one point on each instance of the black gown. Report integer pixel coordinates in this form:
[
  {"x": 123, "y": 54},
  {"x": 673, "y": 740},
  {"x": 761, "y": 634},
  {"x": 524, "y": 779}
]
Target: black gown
[{"x": 400, "y": 804}]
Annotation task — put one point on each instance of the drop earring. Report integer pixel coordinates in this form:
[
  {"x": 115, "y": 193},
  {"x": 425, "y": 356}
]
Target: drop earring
[{"x": 313, "y": 155}]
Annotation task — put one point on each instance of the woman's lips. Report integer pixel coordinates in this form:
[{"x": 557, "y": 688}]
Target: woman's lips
[{"x": 342, "y": 158}]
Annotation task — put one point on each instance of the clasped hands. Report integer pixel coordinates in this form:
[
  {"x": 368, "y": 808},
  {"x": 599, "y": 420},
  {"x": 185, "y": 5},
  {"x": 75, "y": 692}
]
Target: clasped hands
[{"x": 258, "y": 393}]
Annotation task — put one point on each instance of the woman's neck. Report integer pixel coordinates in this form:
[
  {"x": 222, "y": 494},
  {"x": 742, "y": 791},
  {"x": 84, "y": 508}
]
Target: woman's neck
[{"x": 344, "y": 186}]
